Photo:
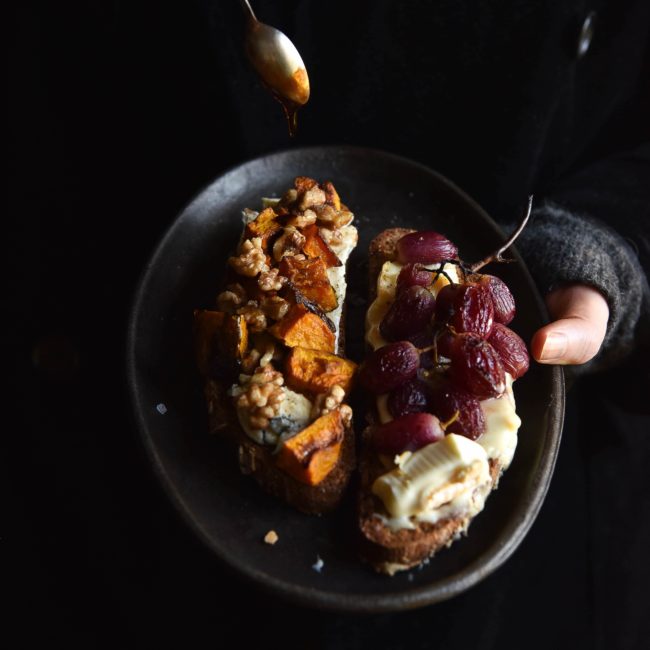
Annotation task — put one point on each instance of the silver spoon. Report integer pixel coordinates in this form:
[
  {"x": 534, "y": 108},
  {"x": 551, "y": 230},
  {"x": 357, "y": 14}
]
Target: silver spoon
[{"x": 278, "y": 63}]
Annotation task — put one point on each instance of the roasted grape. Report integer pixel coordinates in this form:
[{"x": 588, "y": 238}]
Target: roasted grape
[
  {"x": 411, "y": 397},
  {"x": 444, "y": 342},
  {"x": 465, "y": 307},
  {"x": 389, "y": 367},
  {"x": 407, "y": 433},
  {"x": 504, "y": 303},
  {"x": 412, "y": 275},
  {"x": 511, "y": 350},
  {"x": 425, "y": 246},
  {"x": 409, "y": 315},
  {"x": 447, "y": 401},
  {"x": 476, "y": 366}
]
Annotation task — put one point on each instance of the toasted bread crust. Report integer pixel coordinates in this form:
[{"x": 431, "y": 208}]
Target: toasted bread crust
[
  {"x": 386, "y": 550},
  {"x": 257, "y": 461}
]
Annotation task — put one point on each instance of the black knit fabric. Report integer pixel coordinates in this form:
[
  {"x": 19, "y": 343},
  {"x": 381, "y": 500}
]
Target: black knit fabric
[
  {"x": 119, "y": 112},
  {"x": 563, "y": 247}
]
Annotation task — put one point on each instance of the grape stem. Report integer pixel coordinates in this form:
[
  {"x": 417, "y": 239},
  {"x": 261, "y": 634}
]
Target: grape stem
[{"x": 497, "y": 256}]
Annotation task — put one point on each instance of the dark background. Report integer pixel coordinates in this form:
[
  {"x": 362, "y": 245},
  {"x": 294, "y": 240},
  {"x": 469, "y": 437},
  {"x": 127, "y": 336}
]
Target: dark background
[{"x": 116, "y": 119}]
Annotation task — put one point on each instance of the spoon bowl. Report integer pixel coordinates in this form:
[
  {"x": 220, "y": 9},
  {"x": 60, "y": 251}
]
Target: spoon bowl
[{"x": 276, "y": 60}]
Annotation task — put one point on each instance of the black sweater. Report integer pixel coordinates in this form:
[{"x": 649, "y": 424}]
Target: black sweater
[{"x": 499, "y": 96}]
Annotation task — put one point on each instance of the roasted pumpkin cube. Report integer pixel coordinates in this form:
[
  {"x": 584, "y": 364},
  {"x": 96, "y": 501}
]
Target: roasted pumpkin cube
[
  {"x": 316, "y": 246},
  {"x": 301, "y": 327},
  {"x": 332, "y": 195},
  {"x": 309, "y": 276},
  {"x": 312, "y": 454},
  {"x": 218, "y": 334},
  {"x": 207, "y": 325},
  {"x": 264, "y": 226},
  {"x": 233, "y": 340},
  {"x": 317, "y": 371}
]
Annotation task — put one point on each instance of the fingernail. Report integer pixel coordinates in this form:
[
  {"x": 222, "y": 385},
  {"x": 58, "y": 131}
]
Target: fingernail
[{"x": 554, "y": 347}]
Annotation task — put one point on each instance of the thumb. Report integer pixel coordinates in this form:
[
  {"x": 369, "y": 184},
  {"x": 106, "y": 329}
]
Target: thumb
[{"x": 580, "y": 316}]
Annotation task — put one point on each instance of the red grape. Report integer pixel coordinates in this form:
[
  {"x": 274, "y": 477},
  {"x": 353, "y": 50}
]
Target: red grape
[
  {"x": 389, "y": 367},
  {"x": 476, "y": 366},
  {"x": 466, "y": 307},
  {"x": 425, "y": 246},
  {"x": 409, "y": 315},
  {"x": 504, "y": 303},
  {"x": 407, "y": 433},
  {"x": 447, "y": 400},
  {"x": 411, "y": 397},
  {"x": 411, "y": 275},
  {"x": 511, "y": 349},
  {"x": 444, "y": 342}
]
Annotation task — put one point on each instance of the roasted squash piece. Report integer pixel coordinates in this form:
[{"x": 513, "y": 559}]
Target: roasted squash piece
[
  {"x": 207, "y": 324},
  {"x": 332, "y": 195},
  {"x": 315, "y": 246},
  {"x": 301, "y": 327},
  {"x": 304, "y": 183},
  {"x": 309, "y": 276},
  {"x": 317, "y": 371},
  {"x": 264, "y": 226},
  {"x": 218, "y": 334},
  {"x": 312, "y": 454},
  {"x": 233, "y": 340}
]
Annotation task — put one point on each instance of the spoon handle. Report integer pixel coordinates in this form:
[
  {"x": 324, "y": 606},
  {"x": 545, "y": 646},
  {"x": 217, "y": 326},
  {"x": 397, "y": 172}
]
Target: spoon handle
[{"x": 246, "y": 6}]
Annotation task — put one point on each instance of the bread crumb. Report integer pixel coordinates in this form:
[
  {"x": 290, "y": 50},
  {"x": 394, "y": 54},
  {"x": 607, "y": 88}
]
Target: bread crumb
[
  {"x": 271, "y": 537},
  {"x": 319, "y": 564}
]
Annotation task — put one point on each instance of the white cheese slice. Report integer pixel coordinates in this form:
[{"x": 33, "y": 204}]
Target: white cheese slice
[
  {"x": 501, "y": 426},
  {"x": 386, "y": 283},
  {"x": 336, "y": 275},
  {"x": 435, "y": 475}
]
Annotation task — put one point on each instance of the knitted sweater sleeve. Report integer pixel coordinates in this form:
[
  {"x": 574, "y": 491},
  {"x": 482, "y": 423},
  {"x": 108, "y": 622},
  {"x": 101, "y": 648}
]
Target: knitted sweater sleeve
[{"x": 594, "y": 228}]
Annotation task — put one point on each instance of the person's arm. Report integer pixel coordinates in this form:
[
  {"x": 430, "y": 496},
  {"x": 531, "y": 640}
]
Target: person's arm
[{"x": 588, "y": 247}]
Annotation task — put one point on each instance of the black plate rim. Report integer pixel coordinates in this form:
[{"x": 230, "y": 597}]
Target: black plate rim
[{"x": 342, "y": 602}]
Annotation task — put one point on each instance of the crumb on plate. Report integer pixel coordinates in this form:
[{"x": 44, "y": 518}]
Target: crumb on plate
[{"x": 271, "y": 537}]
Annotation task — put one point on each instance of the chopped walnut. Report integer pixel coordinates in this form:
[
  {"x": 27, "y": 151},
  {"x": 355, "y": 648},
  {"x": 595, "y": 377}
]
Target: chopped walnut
[
  {"x": 303, "y": 219},
  {"x": 330, "y": 217},
  {"x": 346, "y": 414},
  {"x": 253, "y": 315},
  {"x": 289, "y": 243},
  {"x": 261, "y": 394},
  {"x": 251, "y": 361},
  {"x": 336, "y": 238},
  {"x": 332, "y": 238},
  {"x": 255, "y": 358},
  {"x": 327, "y": 402},
  {"x": 312, "y": 197},
  {"x": 232, "y": 298},
  {"x": 251, "y": 259},
  {"x": 271, "y": 280},
  {"x": 274, "y": 307},
  {"x": 289, "y": 198}
]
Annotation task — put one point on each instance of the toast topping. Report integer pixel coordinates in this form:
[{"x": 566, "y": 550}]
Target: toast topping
[
  {"x": 449, "y": 478},
  {"x": 286, "y": 290},
  {"x": 386, "y": 285},
  {"x": 432, "y": 476}
]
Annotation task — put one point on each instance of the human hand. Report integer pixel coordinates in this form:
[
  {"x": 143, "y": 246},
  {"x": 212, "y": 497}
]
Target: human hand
[{"x": 580, "y": 315}]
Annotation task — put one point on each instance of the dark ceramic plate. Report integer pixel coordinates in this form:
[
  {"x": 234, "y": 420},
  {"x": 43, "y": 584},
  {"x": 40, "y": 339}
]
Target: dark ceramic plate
[{"x": 227, "y": 510}]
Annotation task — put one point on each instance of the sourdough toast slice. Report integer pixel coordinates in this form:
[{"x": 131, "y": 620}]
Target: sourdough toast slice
[
  {"x": 385, "y": 543},
  {"x": 287, "y": 282}
]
